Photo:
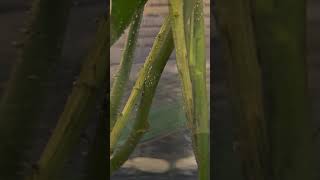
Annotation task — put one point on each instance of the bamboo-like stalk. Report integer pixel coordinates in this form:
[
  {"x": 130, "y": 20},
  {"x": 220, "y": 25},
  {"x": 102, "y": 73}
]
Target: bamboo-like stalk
[
  {"x": 122, "y": 76},
  {"x": 137, "y": 89},
  {"x": 79, "y": 105},
  {"x": 197, "y": 63},
  {"x": 25, "y": 95},
  {"x": 177, "y": 21},
  {"x": 179, "y": 32},
  {"x": 240, "y": 51},
  {"x": 140, "y": 126},
  {"x": 281, "y": 38}
]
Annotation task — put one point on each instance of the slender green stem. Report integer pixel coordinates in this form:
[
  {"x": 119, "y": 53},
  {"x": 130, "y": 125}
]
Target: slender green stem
[
  {"x": 197, "y": 59},
  {"x": 161, "y": 49},
  {"x": 122, "y": 76},
  {"x": 179, "y": 32},
  {"x": 79, "y": 105},
  {"x": 177, "y": 20},
  {"x": 137, "y": 89},
  {"x": 160, "y": 57}
]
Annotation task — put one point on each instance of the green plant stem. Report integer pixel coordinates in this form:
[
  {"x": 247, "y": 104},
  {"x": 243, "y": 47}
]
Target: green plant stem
[
  {"x": 137, "y": 89},
  {"x": 281, "y": 38},
  {"x": 240, "y": 51},
  {"x": 163, "y": 39},
  {"x": 26, "y": 92},
  {"x": 122, "y": 13},
  {"x": 123, "y": 117},
  {"x": 177, "y": 21},
  {"x": 179, "y": 32},
  {"x": 77, "y": 109},
  {"x": 122, "y": 76},
  {"x": 160, "y": 53},
  {"x": 197, "y": 62}
]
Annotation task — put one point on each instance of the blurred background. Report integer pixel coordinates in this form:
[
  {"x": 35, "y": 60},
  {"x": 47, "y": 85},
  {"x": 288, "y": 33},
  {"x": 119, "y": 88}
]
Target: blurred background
[{"x": 79, "y": 37}]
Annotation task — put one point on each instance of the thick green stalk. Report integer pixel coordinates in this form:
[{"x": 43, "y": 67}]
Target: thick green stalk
[
  {"x": 235, "y": 23},
  {"x": 161, "y": 51},
  {"x": 197, "y": 63},
  {"x": 137, "y": 89},
  {"x": 179, "y": 35},
  {"x": 79, "y": 105},
  {"x": 122, "y": 13},
  {"x": 26, "y": 91},
  {"x": 281, "y": 38},
  {"x": 178, "y": 31},
  {"x": 122, "y": 76}
]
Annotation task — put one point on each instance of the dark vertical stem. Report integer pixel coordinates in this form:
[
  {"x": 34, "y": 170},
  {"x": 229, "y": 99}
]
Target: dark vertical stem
[
  {"x": 98, "y": 152},
  {"x": 80, "y": 104},
  {"x": 281, "y": 38},
  {"x": 236, "y": 29},
  {"x": 26, "y": 91}
]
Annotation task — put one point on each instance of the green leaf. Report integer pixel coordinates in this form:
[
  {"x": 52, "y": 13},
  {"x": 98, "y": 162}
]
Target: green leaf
[{"x": 122, "y": 13}]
